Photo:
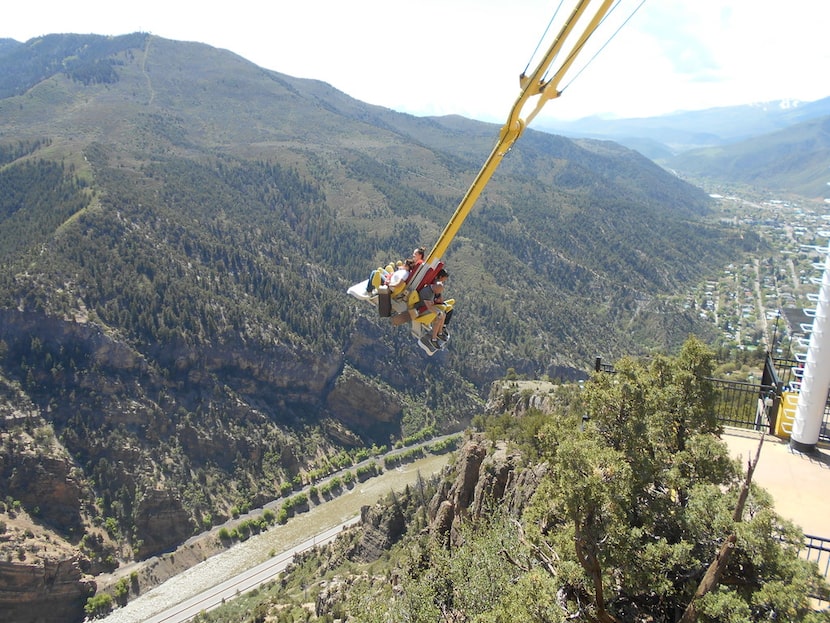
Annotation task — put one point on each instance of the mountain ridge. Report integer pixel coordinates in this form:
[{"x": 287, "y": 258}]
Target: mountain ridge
[
  {"x": 775, "y": 146},
  {"x": 793, "y": 160},
  {"x": 177, "y": 231},
  {"x": 688, "y": 129}
]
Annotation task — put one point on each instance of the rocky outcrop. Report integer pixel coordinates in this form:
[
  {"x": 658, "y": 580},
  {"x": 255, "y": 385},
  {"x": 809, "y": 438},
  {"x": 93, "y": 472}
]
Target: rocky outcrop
[
  {"x": 38, "y": 473},
  {"x": 453, "y": 499},
  {"x": 498, "y": 474},
  {"x": 517, "y": 397},
  {"x": 485, "y": 475},
  {"x": 521, "y": 487},
  {"x": 50, "y": 592},
  {"x": 382, "y": 525},
  {"x": 333, "y": 593},
  {"x": 161, "y": 522}
]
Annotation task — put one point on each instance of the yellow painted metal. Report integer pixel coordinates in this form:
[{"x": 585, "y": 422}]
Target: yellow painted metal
[
  {"x": 786, "y": 415},
  {"x": 532, "y": 86}
]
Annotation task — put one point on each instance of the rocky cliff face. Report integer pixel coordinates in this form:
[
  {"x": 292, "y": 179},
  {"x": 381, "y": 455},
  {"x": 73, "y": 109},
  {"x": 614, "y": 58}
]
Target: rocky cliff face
[
  {"x": 35, "y": 472},
  {"x": 129, "y": 418},
  {"x": 163, "y": 521},
  {"x": 48, "y": 592},
  {"x": 126, "y": 450},
  {"x": 363, "y": 407},
  {"x": 43, "y": 575},
  {"x": 484, "y": 475},
  {"x": 381, "y": 527}
]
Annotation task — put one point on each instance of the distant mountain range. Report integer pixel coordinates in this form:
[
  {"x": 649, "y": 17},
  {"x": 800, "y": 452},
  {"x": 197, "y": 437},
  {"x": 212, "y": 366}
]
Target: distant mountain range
[
  {"x": 682, "y": 131},
  {"x": 780, "y": 146}
]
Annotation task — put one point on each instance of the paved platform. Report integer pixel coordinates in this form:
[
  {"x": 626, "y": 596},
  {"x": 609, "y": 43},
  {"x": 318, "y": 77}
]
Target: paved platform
[{"x": 799, "y": 483}]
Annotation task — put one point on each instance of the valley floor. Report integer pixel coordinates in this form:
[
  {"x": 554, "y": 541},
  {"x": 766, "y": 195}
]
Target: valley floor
[
  {"x": 795, "y": 481},
  {"x": 187, "y": 572}
]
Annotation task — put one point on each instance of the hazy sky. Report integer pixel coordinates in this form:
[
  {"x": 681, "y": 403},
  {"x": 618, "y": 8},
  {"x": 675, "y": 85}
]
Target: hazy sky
[{"x": 431, "y": 57}]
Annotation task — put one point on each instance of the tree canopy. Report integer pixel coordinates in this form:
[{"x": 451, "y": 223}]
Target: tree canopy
[{"x": 638, "y": 500}]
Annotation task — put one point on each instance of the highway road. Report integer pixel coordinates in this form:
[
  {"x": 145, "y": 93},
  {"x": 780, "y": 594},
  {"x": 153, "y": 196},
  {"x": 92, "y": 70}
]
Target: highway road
[
  {"x": 246, "y": 581},
  {"x": 247, "y": 565}
]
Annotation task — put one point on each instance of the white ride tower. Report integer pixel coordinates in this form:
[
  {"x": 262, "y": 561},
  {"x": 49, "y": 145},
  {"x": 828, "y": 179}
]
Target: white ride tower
[{"x": 815, "y": 380}]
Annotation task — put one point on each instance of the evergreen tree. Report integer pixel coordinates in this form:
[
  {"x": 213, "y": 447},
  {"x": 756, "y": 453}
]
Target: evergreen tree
[{"x": 637, "y": 503}]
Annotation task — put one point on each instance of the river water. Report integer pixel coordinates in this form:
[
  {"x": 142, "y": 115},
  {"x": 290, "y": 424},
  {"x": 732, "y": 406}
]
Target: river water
[{"x": 277, "y": 539}]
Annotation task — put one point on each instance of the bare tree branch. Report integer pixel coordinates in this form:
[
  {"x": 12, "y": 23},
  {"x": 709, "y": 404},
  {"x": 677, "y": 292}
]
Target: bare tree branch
[{"x": 711, "y": 578}]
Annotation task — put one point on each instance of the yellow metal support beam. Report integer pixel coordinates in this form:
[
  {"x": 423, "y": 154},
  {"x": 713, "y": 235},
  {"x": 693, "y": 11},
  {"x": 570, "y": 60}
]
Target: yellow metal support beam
[{"x": 531, "y": 86}]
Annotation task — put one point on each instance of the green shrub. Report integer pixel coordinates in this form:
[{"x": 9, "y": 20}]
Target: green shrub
[
  {"x": 111, "y": 526},
  {"x": 301, "y": 499},
  {"x": 367, "y": 471},
  {"x": 98, "y": 606},
  {"x": 244, "y": 530},
  {"x": 122, "y": 588}
]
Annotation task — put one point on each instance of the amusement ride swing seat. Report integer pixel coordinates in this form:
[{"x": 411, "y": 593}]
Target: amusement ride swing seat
[{"x": 543, "y": 84}]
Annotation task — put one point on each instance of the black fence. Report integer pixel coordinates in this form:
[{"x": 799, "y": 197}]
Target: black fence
[
  {"x": 745, "y": 405},
  {"x": 785, "y": 373},
  {"x": 739, "y": 404},
  {"x": 599, "y": 366},
  {"x": 817, "y": 549}
]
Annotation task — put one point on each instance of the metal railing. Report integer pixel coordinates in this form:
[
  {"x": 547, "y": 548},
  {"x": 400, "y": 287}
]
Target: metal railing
[
  {"x": 745, "y": 405},
  {"x": 786, "y": 372},
  {"x": 599, "y": 366},
  {"x": 817, "y": 549}
]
